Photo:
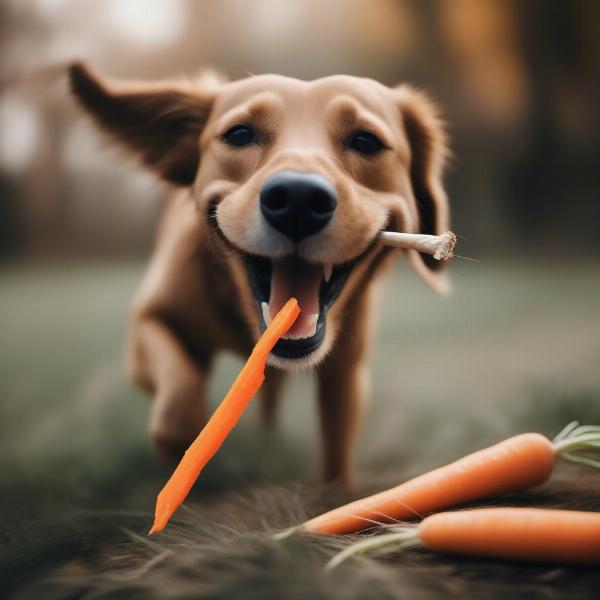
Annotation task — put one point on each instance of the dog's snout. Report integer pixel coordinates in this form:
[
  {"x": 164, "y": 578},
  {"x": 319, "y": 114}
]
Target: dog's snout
[{"x": 298, "y": 204}]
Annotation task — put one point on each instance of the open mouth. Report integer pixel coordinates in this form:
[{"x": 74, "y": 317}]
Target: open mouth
[{"x": 315, "y": 286}]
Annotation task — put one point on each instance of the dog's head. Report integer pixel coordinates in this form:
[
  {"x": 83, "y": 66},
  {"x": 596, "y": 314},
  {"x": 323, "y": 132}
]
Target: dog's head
[{"x": 296, "y": 178}]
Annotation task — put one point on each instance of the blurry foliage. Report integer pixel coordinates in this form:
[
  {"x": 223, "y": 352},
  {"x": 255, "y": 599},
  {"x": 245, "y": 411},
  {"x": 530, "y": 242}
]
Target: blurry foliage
[{"x": 517, "y": 81}]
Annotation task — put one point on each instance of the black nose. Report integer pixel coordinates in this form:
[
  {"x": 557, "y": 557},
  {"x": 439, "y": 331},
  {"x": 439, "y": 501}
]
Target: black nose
[{"x": 298, "y": 204}]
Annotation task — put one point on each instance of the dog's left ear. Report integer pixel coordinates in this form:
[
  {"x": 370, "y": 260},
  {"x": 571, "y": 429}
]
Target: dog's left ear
[
  {"x": 160, "y": 123},
  {"x": 428, "y": 155}
]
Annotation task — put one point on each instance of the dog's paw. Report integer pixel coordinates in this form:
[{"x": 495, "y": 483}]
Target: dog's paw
[
  {"x": 176, "y": 419},
  {"x": 169, "y": 447}
]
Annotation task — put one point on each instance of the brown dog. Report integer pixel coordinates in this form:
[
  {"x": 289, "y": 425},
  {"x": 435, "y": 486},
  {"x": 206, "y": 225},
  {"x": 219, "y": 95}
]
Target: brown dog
[{"x": 284, "y": 186}]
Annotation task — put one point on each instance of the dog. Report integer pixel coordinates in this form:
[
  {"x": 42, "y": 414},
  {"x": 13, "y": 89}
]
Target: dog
[{"x": 280, "y": 188}]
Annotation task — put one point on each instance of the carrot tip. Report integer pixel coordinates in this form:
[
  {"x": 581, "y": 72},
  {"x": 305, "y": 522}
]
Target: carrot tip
[{"x": 158, "y": 525}]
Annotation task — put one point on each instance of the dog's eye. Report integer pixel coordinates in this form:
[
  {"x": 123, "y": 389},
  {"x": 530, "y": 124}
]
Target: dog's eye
[
  {"x": 364, "y": 142},
  {"x": 240, "y": 136}
]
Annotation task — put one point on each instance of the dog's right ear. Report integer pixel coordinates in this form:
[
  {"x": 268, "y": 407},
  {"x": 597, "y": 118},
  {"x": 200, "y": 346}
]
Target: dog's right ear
[
  {"x": 160, "y": 123},
  {"x": 426, "y": 136}
]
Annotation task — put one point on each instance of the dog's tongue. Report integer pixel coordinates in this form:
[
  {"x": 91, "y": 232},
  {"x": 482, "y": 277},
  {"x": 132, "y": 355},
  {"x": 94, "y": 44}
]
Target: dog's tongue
[{"x": 293, "y": 277}]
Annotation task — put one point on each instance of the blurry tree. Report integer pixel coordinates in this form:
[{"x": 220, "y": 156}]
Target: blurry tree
[
  {"x": 553, "y": 183},
  {"x": 517, "y": 81}
]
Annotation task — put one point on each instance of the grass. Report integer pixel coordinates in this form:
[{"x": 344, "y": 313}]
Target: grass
[{"x": 515, "y": 348}]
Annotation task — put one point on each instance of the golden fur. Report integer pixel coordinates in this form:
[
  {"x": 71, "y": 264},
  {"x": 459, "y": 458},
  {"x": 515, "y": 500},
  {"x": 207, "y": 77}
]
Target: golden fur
[{"x": 196, "y": 298}]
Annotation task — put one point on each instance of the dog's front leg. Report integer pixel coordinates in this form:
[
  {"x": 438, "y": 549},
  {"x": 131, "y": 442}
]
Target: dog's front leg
[
  {"x": 342, "y": 392},
  {"x": 158, "y": 362}
]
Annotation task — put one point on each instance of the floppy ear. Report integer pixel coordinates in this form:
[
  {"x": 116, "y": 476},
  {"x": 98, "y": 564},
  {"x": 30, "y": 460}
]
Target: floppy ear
[
  {"x": 160, "y": 123},
  {"x": 428, "y": 155}
]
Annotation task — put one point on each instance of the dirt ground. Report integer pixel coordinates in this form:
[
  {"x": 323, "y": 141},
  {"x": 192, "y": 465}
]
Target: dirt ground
[{"x": 516, "y": 348}]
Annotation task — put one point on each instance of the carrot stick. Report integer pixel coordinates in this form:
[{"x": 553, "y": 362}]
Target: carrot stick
[
  {"x": 523, "y": 534},
  {"x": 223, "y": 420},
  {"x": 517, "y": 463}
]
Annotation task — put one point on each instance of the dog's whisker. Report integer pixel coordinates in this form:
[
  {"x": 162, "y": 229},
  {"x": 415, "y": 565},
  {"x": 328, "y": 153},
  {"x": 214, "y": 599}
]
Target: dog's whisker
[{"x": 477, "y": 260}]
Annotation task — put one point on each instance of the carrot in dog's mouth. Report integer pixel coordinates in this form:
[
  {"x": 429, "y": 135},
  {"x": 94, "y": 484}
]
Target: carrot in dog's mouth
[
  {"x": 316, "y": 286},
  {"x": 223, "y": 420}
]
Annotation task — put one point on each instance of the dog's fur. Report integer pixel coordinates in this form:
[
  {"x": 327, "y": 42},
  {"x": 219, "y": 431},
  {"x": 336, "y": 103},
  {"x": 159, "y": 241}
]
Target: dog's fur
[{"x": 196, "y": 298}]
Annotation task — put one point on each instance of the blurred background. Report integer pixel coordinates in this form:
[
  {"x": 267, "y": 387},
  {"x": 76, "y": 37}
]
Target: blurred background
[
  {"x": 517, "y": 346},
  {"x": 517, "y": 81}
]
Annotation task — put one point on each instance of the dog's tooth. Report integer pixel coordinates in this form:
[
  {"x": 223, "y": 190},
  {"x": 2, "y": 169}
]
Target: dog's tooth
[
  {"x": 265, "y": 312},
  {"x": 314, "y": 318},
  {"x": 302, "y": 336},
  {"x": 327, "y": 270}
]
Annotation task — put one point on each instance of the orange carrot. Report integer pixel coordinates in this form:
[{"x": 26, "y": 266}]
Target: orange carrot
[
  {"x": 223, "y": 420},
  {"x": 517, "y": 463},
  {"x": 523, "y": 534}
]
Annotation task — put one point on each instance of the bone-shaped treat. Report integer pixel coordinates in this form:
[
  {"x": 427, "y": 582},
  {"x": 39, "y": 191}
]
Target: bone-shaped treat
[{"x": 439, "y": 246}]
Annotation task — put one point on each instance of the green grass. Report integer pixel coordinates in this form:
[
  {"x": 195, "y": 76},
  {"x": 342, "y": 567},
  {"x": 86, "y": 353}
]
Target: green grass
[{"x": 515, "y": 348}]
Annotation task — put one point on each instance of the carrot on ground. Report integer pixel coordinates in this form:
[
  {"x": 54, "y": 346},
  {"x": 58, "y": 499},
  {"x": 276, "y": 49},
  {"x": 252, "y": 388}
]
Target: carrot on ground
[
  {"x": 223, "y": 420},
  {"x": 522, "y": 534},
  {"x": 517, "y": 463}
]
